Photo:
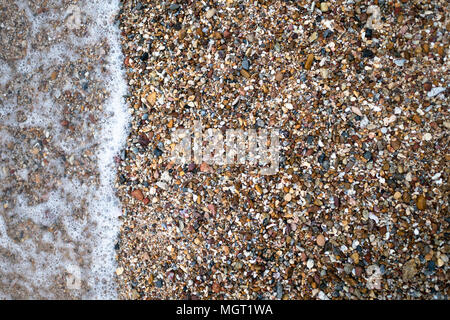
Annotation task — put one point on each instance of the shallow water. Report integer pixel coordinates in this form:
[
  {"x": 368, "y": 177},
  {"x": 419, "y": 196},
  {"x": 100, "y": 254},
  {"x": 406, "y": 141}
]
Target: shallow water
[{"x": 62, "y": 120}]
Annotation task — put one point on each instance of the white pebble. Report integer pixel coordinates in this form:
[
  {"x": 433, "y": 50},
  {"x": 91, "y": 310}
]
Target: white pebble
[{"x": 427, "y": 136}]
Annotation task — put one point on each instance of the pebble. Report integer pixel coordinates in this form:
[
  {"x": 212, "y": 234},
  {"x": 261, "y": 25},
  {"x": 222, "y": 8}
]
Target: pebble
[
  {"x": 151, "y": 98},
  {"x": 355, "y": 257},
  {"x": 210, "y": 13},
  {"x": 409, "y": 270},
  {"x": 421, "y": 202},
  {"x": 288, "y": 197},
  {"x": 435, "y": 91},
  {"x": 367, "y": 53},
  {"x": 137, "y": 194},
  {"x": 427, "y": 136},
  {"x": 368, "y": 155},
  {"x": 309, "y": 61},
  {"x": 397, "y": 195},
  {"x": 400, "y": 62},
  {"x": 279, "y": 76},
  {"x": 320, "y": 240},
  {"x": 227, "y": 34},
  {"x": 246, "y": 74},
  {"x": 246, "y": 64},
  {"x": 357, "y": 111},
  {"x": 324, "y": 6}
]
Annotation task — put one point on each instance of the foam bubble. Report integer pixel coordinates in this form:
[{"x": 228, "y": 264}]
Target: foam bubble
[{"x": 5, "y": 71}]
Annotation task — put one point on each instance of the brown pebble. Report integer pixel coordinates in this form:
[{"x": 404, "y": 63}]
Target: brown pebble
[
  {"x": 216, "y": 287},
  {"x": 204, "y": 167},
  {"x": 227, "y": 34},
  {"x": 303, "y": 257},
  {"x": 421, "y": 202},
  {"x": 355, "y": 257},
  {"x": 212, "y": 209},
  {"x": 126, "y": 61},
  {"x": 309, "y": 61},
  {"x": 137, "y": 194},
  {"x": 199, "y": 32},
  {"x": 397, "y": 9},
  {"x": 417, "y": 119},
  {"x": 181, "y": 34},
  {"x": 320, "y": 240},
  {"x": 245, "y": 73},
  {"x": 151, "y": 98},
  {"x": 406, "y": 197},
  {"x": 279, "y": 76},
  {"x": 427, "y": 86}
]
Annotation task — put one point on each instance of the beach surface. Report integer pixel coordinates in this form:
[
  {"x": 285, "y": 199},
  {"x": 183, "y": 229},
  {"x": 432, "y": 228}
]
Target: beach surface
[
  {"x": 345, "y": 195},
  {"x": 358, "y": 208}
]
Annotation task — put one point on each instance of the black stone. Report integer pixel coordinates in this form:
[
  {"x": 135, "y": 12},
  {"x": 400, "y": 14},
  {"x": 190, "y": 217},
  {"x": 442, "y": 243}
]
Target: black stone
[
  {"x": 368, "y": 155},
  {"x": 177, "y": 26},
  {"x": 157, "y": 152},
  {"x": 367, "y": 53},
  {"x": 144, "y": 56},
  {"x": 431, "y": 266},
  {"x": 321, "y": 158}
]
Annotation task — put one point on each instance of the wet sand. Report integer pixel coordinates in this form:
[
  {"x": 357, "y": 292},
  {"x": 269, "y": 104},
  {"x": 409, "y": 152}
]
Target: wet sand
[{"x": 61, "y": 123}]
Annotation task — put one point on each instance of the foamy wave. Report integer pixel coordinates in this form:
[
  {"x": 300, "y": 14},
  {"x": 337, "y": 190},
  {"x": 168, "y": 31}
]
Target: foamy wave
[{"x": 57, "y": 234}]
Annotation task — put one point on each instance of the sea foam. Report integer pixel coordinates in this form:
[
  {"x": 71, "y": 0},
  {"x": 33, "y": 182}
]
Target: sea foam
[{"x": 57, "y": 235}]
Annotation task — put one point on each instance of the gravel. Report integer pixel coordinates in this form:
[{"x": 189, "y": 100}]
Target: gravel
[{"x": 360, "y": 92}]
